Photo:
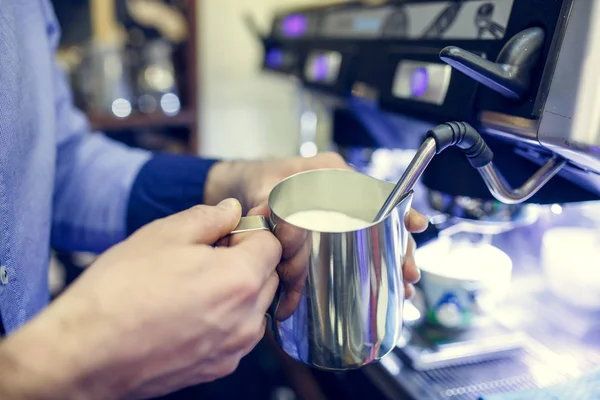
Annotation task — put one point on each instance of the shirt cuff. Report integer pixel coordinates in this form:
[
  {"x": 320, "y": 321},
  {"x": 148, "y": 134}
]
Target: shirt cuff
[{"x": 165, "y": 185}]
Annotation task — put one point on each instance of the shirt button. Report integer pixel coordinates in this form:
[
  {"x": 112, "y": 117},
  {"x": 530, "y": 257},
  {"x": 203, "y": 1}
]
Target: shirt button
[{"x": 3, "y": 275}]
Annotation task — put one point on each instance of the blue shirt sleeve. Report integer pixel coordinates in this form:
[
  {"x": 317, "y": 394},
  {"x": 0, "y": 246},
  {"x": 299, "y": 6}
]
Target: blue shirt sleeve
[
  {"x": 92, "y": 184},
  {"x": 165, "y": 185},
  {"x": 104, "y": 190},
  {"x": 93, "y": 174}
]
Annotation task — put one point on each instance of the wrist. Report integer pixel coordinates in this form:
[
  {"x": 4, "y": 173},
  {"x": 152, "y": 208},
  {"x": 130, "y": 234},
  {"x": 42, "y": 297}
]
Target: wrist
[
  {"x": 224, "y": 181},
  {"x": 166, "y": 184}
]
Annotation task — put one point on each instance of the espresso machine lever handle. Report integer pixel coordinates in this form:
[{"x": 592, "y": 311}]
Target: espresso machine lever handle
[{"x": 510, "y": 75}]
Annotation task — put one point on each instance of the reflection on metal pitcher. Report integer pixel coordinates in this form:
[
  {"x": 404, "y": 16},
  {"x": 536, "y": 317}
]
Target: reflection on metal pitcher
[{"x": 342, "y": 305}]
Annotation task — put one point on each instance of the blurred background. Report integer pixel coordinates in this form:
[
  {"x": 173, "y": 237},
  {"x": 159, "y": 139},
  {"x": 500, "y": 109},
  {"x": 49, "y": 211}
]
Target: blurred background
[
  {"x": 163, "y": 73},
  {"x": 185, "y": 76}
]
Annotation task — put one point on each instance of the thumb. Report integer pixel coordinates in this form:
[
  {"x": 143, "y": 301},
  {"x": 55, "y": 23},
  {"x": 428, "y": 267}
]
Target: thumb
[{"x": 202, "y": 224}]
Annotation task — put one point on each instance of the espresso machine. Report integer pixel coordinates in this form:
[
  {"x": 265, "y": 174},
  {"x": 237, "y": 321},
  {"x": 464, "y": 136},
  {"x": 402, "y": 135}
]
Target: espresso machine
[{"x": 523, "y": 74}]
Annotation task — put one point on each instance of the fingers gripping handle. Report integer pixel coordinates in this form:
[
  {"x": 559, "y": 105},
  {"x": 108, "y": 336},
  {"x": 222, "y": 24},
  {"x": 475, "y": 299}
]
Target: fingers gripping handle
[
  {"x": 249, "y": 224},
  {"x": 259, "y": 223}
]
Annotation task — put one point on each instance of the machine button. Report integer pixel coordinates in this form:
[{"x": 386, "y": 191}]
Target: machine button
[
  {"x": 278, "y": 59},
  {"x": 419, "y": 82},
  {"x": 3, "y": 275},
  {"x": 422, "y": 81},
  {"x": 323, "y": 67}
]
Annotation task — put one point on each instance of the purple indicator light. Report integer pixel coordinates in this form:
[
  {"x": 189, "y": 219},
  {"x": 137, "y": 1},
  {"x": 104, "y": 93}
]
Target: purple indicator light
[
  {"x": 320, "y": 68},
  {"x": 419, "y": 82},
  {"x": 274, "y": 58},
  {"x": 294, "y": 25}
]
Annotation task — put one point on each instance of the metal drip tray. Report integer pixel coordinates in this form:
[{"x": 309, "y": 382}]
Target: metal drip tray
[
  {"x": 529, "y": 367},
  {"x": 426, "y": 348},
  {"x": 426, "y": 369}
]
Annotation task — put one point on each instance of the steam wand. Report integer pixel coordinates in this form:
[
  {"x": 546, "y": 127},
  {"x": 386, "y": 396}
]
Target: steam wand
[{"x": 465, "y": 137}]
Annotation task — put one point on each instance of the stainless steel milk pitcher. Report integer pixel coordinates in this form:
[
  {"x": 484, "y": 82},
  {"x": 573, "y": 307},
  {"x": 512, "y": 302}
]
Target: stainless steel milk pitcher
[{"x": 344, "y": 305}]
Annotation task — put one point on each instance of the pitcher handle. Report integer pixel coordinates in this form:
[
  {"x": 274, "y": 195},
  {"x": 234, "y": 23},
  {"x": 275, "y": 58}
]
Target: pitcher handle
[
  {"x": 260, "y": 223},
  {"x": 253, "y": 223}
]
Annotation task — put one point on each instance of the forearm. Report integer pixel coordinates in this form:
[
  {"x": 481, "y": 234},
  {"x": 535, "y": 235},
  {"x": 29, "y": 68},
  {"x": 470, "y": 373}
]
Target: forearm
[
  {"x": 30, "y": 369},
  {"x": 59, "y": 355},
  {"x": 168, "y": 184},
  {"x": 221, "y": 182},
  {"x": 93, "y": 180},
  {"x": 237, "y": 180}
]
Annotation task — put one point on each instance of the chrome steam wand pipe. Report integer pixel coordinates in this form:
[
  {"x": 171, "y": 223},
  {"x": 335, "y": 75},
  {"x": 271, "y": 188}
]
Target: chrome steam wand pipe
[
  {"x": 502, "y": 191},
  {"x": 465, "y": 137},
  {"x": 411, "y": 176}
]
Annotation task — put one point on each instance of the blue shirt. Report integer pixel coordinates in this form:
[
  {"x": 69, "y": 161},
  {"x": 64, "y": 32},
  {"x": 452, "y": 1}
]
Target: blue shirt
[{"x": 62, "y": 186}]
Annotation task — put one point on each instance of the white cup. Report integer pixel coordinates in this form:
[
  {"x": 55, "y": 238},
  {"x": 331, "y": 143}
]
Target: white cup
[
  {"x": 461, "y": 283},
  {"x": 571, "y": 262}
]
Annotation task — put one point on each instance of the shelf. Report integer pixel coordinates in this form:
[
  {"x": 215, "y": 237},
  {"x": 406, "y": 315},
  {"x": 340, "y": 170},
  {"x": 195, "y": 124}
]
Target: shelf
[{"x": 186, "y": 118}]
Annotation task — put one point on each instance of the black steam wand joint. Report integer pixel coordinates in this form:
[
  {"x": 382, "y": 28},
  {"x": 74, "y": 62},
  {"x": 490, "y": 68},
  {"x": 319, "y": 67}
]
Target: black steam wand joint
[
  {"x": 466, "y": 138},
  {"x": 480, "y": 156}
]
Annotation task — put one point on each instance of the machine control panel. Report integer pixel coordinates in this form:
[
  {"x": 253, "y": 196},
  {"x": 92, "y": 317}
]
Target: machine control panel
[
  {"x": 323, "y": 67},
  {"x": 280, "y": 59},
  {"x": 422, "y": 81},
  {"x": 428, "y": 59},
  {"x": 296, "y": 25},
  {"x": 501, "y": 65},
  {"x": 447, "y": 20}
]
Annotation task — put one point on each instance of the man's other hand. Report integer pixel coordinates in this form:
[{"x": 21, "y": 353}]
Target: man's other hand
[{"x": 161, "y": 311}]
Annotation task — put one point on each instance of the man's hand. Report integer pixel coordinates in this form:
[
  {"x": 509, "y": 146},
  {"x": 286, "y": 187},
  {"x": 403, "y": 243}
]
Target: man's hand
[
  {"x": 161, "y": 311},
  {"x": 251, "y": 182}
]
